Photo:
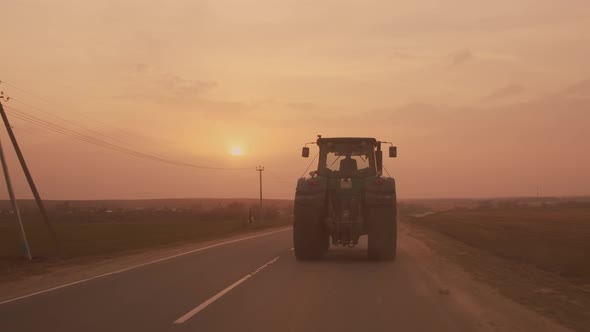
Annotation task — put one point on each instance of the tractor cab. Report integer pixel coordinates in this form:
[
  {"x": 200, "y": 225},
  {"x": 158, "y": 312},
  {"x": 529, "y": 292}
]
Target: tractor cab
[{"x": 347, "y": 158}]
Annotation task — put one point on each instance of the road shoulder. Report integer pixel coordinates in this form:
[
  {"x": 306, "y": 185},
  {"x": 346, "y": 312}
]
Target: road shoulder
[{"x": 506, "y": 295}]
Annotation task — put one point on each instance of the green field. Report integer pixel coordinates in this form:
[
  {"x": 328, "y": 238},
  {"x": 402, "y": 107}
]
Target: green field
[
  {"x": 79, "y": 240},
  {"x": 88, "y": 228},
  {"x": 90, "y": 241},
  {"x": 554, "y": 238},
  {"x": 537, "y": 256}
]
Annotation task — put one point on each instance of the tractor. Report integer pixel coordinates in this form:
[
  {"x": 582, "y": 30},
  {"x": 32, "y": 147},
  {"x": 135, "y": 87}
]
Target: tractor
[{"x": 346, "y": 197}]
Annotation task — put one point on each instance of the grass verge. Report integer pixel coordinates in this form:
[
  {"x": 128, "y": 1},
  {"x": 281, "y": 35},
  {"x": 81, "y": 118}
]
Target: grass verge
[
  {"x": 556, "y": 239},
  {"x": 84, "y": 242},
  {"x": 535, "y": 256}
]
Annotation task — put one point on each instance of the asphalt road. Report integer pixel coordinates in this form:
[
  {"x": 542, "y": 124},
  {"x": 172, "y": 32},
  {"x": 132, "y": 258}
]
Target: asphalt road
[{"x": 250, "y": 285}]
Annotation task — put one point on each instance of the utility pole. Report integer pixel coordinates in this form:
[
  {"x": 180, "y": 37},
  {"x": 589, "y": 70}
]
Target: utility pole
[
  {"x": 23, "y": 164},
  {"x": 14, "y": 204},
  {"x": 260, "y": 169}
]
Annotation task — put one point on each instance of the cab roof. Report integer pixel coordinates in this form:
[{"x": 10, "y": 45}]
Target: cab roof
[{"x": 324, "y": 140}]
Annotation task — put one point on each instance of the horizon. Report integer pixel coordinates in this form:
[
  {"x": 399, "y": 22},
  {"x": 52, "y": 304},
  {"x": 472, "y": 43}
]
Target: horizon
[{"x": 255, "y": 199}]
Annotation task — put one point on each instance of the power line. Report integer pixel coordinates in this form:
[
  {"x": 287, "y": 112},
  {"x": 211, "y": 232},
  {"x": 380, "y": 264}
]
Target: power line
[
  {"x": 104, "y": 144},
  {"x": 130, "y": 149},
  {"x": 56, "y": 128},
  {"x": 77, "y": 124},
  {"x": 91, "y": 140},
  {"x": 23, "y": 90},
  {"x": 71, "y": 122}
]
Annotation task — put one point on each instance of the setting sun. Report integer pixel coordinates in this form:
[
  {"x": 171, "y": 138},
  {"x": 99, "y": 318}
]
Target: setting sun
[{"x": 236, "y": 151}]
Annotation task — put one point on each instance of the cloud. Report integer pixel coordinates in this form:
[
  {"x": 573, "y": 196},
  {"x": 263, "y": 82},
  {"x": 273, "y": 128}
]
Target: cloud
[
  {"x": 559, "y": 114},
  {"x": 405, "y": 55},
  {"x": 148, "y": 83},
  {"x": 156, "y": 89},
  {"x": 142, "y": 67},
  {"x": 412, "y": 54},
  {"x": 302, "y": 106},
  {"x": 180, "y": 87},
  {"x": 579, "y": 89},
  {"x": 460, "y": 57},
  {"x": 504, "y": 92}
]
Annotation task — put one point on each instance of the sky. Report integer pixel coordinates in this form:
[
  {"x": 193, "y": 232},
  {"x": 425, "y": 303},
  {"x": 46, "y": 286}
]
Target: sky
[{"x": 483, "y": 99}]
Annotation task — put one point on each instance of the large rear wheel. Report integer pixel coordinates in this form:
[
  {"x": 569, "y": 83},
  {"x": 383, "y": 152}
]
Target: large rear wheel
[
  {"x": 382, "y": 232},
  {"x": 310, "y": 238}
]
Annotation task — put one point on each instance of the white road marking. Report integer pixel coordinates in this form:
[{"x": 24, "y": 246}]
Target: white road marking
[
  {"x": 215, "y": 297},
  {"x": 142, "y": 264}
]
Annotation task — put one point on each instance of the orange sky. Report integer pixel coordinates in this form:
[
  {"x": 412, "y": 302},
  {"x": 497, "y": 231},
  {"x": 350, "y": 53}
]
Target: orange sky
[{"x": 482, "y": 98}]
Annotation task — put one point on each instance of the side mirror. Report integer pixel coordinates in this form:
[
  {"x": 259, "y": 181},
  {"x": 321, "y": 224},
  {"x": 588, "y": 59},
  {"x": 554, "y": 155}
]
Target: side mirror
[
  {"x": 392, "y": 151},
  {"x": 305, "y": 152}
]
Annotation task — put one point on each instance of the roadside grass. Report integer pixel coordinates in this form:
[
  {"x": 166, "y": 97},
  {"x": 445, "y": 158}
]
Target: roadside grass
[
  {"x": 89, "y": 241},
  {"x": 553, "y": 238},
  {"x": 537, "y": 256}
]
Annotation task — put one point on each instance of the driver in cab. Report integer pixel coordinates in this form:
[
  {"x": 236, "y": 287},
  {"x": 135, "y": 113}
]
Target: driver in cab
[{"x": 348, "y": 164}]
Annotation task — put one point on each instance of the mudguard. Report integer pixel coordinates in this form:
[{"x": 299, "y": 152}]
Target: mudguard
[
  {"x": 311, "y": 192},
  {"x": 380, "y": 192}
]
